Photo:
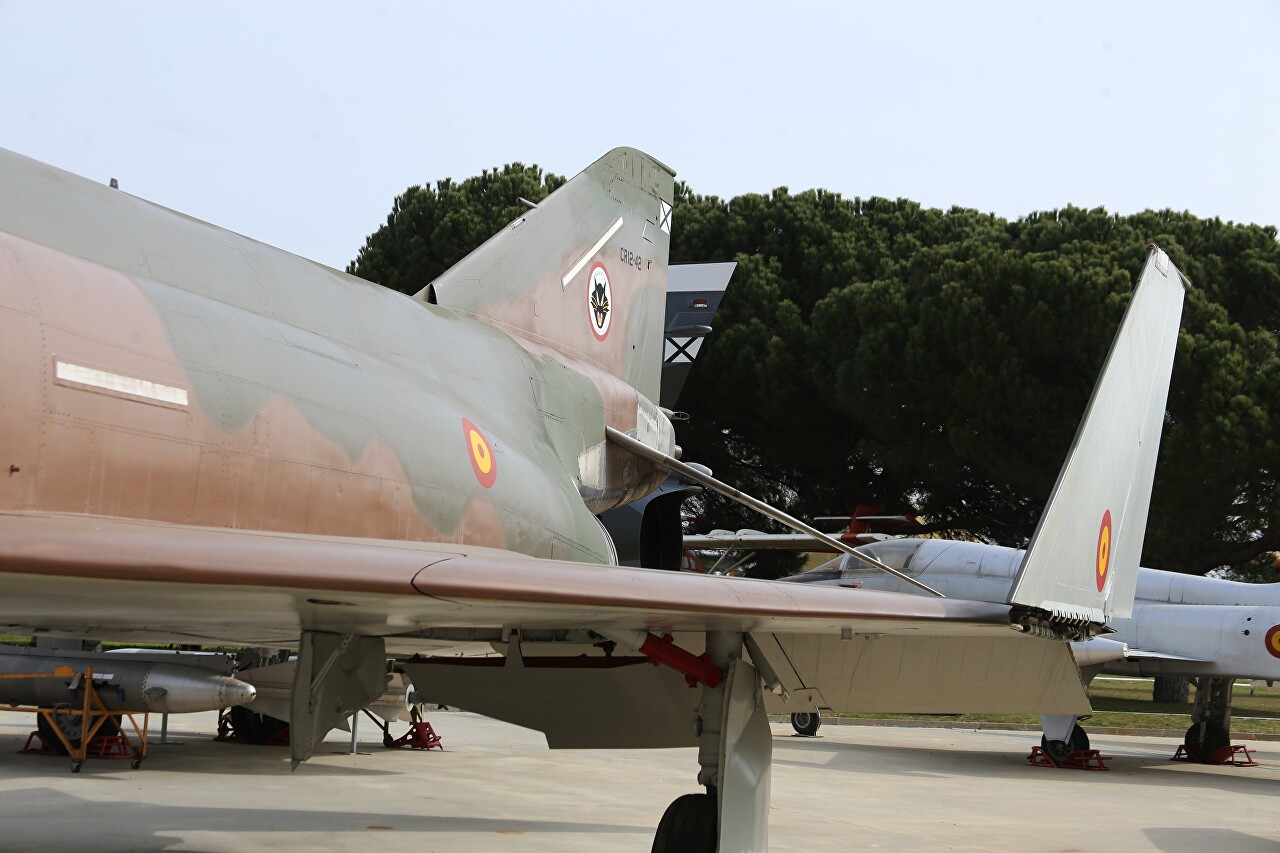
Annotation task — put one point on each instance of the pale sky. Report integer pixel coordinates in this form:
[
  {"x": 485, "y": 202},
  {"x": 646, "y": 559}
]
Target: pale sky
[{"x": 299, "y": 123}]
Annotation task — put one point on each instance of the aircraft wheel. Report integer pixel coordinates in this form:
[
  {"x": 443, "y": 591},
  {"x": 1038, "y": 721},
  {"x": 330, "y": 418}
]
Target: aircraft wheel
[
  {"x": 1205, "y": 738},
  {"x": 76, "y": 765},
  {"x": 254, "y": 727},
  {"x": 688, "y": 826},
  {"x": 1058, "y": 750},
  {"x": 136, "y": 764},
  {"x": 69, "y": 725},
  {"x": 806, "y": 723}
]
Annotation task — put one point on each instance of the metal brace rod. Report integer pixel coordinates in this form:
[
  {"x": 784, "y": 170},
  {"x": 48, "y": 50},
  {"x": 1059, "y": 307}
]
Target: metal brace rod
[
  {"x": 318, "y": 678},
  {"x": 670, "y": 463}
]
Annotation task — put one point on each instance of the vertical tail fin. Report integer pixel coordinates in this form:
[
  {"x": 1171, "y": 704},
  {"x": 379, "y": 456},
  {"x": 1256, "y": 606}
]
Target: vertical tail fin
[
  {"x": 584, "y": 272},
  {"x": 1082, "y": 562}
]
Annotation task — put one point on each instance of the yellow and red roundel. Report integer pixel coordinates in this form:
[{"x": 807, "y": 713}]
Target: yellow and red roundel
[
  {"x": 482, "y": 458},
  {"x": 1104, "y": 550},
  {"x": 1273, "y": 641}
]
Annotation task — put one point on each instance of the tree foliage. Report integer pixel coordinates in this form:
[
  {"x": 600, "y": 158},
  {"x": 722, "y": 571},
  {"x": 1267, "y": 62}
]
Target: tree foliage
[
  {"x": 877, "y": 352},
  {"x": 430, "y": 229}
]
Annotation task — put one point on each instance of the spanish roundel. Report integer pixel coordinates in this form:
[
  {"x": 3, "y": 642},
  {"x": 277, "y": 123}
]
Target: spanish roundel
[
  {"x": 1273, "y": 641},
  {"x": 1104, "y": 551},
  {"x": 483, "y": 462}
]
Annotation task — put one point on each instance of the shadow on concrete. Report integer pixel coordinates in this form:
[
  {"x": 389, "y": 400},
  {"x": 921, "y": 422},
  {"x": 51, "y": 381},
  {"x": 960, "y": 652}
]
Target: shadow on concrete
[
  {"x": 1181, "y": 839},
  {"x": 868, "y": 759},
  {"x": 53, "y": 819}
]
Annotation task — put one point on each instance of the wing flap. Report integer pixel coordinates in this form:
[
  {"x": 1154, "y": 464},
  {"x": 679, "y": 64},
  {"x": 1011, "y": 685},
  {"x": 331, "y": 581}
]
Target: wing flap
[{"x": 926, "y": 674}]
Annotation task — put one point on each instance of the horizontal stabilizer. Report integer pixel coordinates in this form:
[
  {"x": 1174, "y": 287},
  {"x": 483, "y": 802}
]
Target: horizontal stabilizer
[
  {"x": 755, "y": 540},
  {"x": 694, "y": 292}
]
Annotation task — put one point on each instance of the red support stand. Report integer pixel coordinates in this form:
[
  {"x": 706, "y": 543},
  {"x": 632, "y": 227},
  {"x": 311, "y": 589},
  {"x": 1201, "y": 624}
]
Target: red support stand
[
  {"x": 1235, "y": 755},
  {"x": 1081, "y": 759},
  {"x": 101, "y": 746},
  {"x": 419, "y": 736},
  {"x": 109, "y": 746},
  {"x": 43, "y": 749}
]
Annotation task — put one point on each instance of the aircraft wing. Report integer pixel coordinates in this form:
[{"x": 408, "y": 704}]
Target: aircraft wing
[
  {"x": 835, "y": 648},
  {"x": 754, "y": 540},
  {"x": 269, "y": 586}
]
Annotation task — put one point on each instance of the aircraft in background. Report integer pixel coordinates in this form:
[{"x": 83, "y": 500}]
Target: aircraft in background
[
  {"x": 1210, "y": 630},
  {"x": 209, "y": 440}
]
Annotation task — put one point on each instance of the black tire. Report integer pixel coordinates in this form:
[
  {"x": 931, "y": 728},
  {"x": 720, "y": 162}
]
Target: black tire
[
  {"x": 1205, "y": 738},
  {"x": 70, "y": 726},
  {"x": 136, "y": 764},
  {"x": 688, "y": 826},
  {"x": 254, "y": 727},
  {"x": 1058, "y": 750},
  {"x": 806, "y": 723}
]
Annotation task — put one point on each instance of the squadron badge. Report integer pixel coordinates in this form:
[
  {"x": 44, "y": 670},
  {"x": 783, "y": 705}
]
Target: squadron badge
[{"x": 599, "y": 301}]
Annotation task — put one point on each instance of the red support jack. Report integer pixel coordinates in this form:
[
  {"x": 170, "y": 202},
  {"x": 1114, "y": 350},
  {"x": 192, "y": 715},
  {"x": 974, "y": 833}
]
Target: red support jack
[
  {"x": 419, "y": 736},
  {"x": 1235, "y": 755},
  {"x": 1081, "y": 759}
]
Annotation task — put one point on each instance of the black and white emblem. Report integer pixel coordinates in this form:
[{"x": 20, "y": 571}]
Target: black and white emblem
[{"x": 599, "y": 301}]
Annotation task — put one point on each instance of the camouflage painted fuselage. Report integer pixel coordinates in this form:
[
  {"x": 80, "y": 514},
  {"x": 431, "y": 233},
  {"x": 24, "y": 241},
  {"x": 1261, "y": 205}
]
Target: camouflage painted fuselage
[{"x": 160, "y": 368}]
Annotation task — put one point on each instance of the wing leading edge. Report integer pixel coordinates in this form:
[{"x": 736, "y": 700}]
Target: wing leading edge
[{"x": 387, "y": 587}]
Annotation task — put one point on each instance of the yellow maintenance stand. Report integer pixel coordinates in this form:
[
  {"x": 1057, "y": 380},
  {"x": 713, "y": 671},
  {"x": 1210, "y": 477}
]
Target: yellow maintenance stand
[{"x": 92, "y": 715}]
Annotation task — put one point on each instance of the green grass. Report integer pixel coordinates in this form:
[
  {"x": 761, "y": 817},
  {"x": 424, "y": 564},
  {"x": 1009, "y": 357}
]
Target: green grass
[{"x": 1126, "y": 703}]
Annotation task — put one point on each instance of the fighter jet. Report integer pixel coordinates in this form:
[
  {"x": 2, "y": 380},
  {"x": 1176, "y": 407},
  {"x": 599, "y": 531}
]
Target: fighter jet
[
  {"x": 210, "y": 440},
  {"x": 1207, "y": 629}
]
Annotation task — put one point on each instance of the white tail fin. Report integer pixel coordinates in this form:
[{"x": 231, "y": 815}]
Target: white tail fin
[{"x": 1082, "y": 562}]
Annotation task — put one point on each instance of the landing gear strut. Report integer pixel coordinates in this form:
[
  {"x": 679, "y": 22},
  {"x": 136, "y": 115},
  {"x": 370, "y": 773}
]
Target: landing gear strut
[
  {"x": 734, "y": 750},
  {"x": 1210, "y": 729}
]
